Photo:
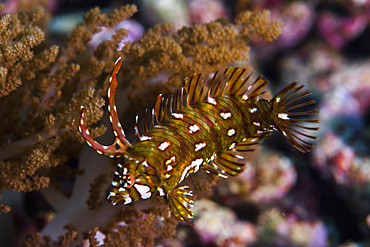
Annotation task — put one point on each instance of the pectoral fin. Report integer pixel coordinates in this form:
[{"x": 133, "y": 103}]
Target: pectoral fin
[
  {"x": 232, "y": 162},
  {"x": 181, "y": 204}
]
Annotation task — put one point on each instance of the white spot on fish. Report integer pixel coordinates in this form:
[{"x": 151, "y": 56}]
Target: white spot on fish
[
  {"x": 211, "y": 101},
  {"x": 193, "y": 128},
  {"x": 121, "y": 189},
  {"x": 164, "y": 145},
  {"x": 169, "y": 168},
  {"x": 190, "y": 193},
  {"x": 283, "y": 116},
  {"x": 197, "y": 162},
  {"x": 161, "y": 192},
  {"x": 222, "y": 175},
  {"x": 194, "y": 164},
  {"x": 124, "y": 171},
  {"x": 245, "y": 97},
  {"x": 144, "y": 163},
  {"x": 257, "y": 123},
  {"x": 146, "y": 196},
  {"x": 177, "y": 115},
  {"x": 127, "y": 200},
  {"x": 232, "y": 145},
  {"x": 112, "y": 194},
  {"x": 114, "y": 183},
  {"x": 169, "y": 161},
  {"x": 231, "y": 132},
  {"x": 225, "y": 115},
  {"x": 199, "y": 146},
  {"x": 252, "y": 110},
  {"x": 144, "y": 138},
  {"x": 142, "y": 189},
  {"x": 184, "y": 187}
]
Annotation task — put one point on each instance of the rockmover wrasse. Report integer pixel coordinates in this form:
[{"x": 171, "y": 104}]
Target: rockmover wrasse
[{"x": 208, "y": 124}]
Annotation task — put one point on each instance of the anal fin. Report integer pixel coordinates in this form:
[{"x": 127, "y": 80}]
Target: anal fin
[{"x": 181, "y": 204}]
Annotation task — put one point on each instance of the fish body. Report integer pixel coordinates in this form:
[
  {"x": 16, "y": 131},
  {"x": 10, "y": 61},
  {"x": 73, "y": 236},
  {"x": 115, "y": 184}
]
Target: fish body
[{"x": 208, "y": 124}]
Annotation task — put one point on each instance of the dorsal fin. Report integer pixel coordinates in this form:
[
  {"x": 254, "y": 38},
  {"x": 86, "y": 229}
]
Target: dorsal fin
[
  {"x": 193, "y": 87},
  {"x": 120, "y": 143},
  {"x": 234, "y": 81},
  {"x": 165, "y": 106}
]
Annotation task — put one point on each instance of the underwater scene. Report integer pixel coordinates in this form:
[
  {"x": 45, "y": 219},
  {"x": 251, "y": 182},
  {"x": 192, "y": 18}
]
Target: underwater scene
[{"x": 232, "y": 123}]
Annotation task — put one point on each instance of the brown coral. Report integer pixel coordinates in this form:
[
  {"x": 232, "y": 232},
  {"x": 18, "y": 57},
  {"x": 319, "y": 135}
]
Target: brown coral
[{"x": 48, "y": 99}]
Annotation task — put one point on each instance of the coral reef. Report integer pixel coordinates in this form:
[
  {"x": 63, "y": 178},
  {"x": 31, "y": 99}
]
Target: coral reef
[
  {"x": 54, "y": 187},
  {"x": 43, "y": 87}
]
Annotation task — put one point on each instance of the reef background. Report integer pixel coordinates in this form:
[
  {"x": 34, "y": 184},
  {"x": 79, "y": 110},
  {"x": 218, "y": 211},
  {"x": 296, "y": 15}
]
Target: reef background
[{"x": 57, "y": 55}]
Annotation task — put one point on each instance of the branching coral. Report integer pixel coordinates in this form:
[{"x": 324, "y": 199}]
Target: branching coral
[
  {"x": 18, "y": 35},
  {"x": 42, "y": 88},
  {"x": 41, "y": 115}
]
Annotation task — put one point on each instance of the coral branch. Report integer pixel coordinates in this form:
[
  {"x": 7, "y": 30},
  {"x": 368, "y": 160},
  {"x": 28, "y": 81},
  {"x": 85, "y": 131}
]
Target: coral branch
[{"x": 21, "y": 146}]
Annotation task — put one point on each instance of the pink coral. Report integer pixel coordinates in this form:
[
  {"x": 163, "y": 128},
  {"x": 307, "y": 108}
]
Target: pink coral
[
  {"x": 135, "y": 30},
  {"x": 202, "y": 11},
  {"x": 337, "y": 30},
  {"x": 268, "y": 177},
  {"x": 335, "y": 158},
  {"x": 289, "y": 230},
  {"x": 219, "y": 225}
]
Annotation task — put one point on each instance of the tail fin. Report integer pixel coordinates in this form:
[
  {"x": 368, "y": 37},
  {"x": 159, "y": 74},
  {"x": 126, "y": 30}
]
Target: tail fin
[{"x": 291, "y": 121}]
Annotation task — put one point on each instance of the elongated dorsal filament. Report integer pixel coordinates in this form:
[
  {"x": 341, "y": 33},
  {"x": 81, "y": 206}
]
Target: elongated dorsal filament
[{"x": 120, "y": 143}]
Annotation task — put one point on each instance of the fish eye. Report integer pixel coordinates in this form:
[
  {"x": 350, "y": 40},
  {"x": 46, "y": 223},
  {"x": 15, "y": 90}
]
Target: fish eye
[{"x": 127, "y": 180}]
